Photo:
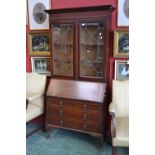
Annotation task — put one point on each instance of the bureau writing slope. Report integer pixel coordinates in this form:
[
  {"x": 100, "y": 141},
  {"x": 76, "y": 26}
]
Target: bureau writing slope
[{"x": 75, "y": 105}]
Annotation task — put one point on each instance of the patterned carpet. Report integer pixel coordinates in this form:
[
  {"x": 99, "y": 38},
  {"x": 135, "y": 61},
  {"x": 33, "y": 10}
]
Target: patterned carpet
[{"x": 65, "y": 142}]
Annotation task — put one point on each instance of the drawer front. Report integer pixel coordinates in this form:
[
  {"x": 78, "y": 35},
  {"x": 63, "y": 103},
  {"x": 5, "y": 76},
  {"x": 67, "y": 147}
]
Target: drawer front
[
  {"x": 94, "y": 127},
  {"x": 67, "y": 122},
  {"x": 53, "y": 119},
  {"x": 56, "y": 104},
  {"x": 78, "y": 115}
]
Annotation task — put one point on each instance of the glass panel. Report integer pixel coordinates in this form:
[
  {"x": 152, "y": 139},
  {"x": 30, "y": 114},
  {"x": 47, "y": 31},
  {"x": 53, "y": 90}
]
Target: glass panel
[
  {"x": 62, "y": 48},
  {"x": 91, "y": 49}
]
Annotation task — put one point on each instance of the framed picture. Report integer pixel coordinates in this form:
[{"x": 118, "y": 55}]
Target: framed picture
[
  {"x": 121, "y": 44},
  {"x": 27, "y": 20},
  {"x": 39, "y": 43},
  {"x": 123, "y": 13},
  {"x": 121, "y": 70},
  {"x": 41, "y": 65},
  {"x": 37, "y": 17}
]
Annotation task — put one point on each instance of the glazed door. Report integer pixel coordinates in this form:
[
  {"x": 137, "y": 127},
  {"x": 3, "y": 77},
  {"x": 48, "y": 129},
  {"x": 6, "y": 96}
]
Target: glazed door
[
  {"x": 91, "y": 50},
  {"x": 62, "y": 50}
]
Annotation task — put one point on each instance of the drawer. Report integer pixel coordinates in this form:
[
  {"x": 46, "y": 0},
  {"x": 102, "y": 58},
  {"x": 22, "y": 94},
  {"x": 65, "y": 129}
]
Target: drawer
[
  {"x": 67, "y": 122},
  {"x": 56, "y": 104},
  {"x": 76, "y": 114},
  {"x": 94, "y": 127},
  {"x": 93, "y": 116},
  {"x": 83, "y": 126},
  {"x": 93, "y": 106},
  {"x": 53, "y": 119}
]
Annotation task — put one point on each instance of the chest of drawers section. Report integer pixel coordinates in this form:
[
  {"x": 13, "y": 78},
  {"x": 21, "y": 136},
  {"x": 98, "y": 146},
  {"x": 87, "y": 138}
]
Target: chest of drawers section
[
  {"x": 76, "y": 105},
  {"x": 74, "y": 114}
]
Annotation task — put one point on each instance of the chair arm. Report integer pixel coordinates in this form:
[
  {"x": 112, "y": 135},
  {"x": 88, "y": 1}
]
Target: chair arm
[
  {"x": 33, "y": 96},
  {"x": 112, "y": 111},
  {"x": 112, "y": 108},
  {"x": 113, "y": 125}
]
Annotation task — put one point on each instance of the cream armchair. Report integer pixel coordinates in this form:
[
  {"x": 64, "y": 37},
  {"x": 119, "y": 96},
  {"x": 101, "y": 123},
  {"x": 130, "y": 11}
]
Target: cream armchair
[
  {"x": 119, "y": 110},
  {"x": 35, "y": 90}
]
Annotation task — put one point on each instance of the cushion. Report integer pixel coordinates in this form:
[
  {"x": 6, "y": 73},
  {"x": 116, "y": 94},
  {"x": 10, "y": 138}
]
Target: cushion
[
  {"x": 38, "y": 102},
  {"x": 120, "y": 96},
  {"x": 35, "y": 83},
  {"x": 33, "y": 111},
  {"x": 122, "y": 132},
  {"x": 32, "y": 96}
]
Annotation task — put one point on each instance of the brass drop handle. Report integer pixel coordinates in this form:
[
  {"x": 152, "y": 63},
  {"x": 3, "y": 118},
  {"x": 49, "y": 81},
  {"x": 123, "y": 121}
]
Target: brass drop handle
[
  {"x": 61, "y": 123},
  {"x": 85, "y": 126},
  {"x": 61, "y": 112},
  {"x": 85, "y": 107},
  {"x": 60, "y": 102}
]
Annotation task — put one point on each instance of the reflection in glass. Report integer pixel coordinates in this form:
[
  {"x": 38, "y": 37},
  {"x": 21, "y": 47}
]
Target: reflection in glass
[
  {"x": 91, "y": 49},
  {"x": 62, "y": 45}
]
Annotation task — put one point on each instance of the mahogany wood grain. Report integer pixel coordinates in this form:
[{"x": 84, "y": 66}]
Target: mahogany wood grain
[{"x": 79, "y": 90}]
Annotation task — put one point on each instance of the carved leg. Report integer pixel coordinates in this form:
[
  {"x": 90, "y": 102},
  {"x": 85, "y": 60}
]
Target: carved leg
[
  {"x": 113, "y": 150},
  {"x": 48, "y": 135},
  {"x": 47, "y": 130}
]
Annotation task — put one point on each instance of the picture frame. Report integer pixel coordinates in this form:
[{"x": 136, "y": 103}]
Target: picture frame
[
  {"x": 121, "y": 69},
  {"x": 38, "y": 19},
  {"x": 123, "y": 13},
  {"x": 39, "y": 43},
  {"x": 41, "y": 65},
  {"x": 121, "y": 44},
  {"x": 27, "y": 20}
]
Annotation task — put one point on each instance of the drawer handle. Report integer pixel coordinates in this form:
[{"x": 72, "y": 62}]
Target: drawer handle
[
  {"x": 61, "y": 123},
  {"x": 85, "y": 107},
  {"x": 85, "y": 126},
  {"x": 61, "y": 112},
  {"x": 60, "y": 102}
]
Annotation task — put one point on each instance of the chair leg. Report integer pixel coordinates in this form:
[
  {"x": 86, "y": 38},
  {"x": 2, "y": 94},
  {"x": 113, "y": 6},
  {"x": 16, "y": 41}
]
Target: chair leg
[
  {"x": 113, "y": 150},
  {"x": 33, "y": 131}
]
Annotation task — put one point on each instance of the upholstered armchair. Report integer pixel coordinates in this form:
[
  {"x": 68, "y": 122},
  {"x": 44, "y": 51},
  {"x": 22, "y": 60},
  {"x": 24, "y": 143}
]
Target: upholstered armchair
[
  {"x": 35, "y": 90},
  {"x": 119, "y": 110}
]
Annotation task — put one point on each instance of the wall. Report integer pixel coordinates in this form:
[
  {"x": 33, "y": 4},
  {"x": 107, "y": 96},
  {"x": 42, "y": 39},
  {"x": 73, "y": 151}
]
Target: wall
[{"x": 56, "y": 4}]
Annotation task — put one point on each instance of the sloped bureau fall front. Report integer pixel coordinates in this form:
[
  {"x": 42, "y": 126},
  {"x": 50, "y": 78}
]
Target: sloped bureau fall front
[{"x": 75, "y": 105}]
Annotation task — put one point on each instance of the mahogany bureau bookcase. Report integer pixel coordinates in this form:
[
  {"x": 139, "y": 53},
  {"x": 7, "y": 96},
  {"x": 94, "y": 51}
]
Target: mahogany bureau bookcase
[
  {"x": 76, "y": 105},
  {"x": 80, "y": 58}
]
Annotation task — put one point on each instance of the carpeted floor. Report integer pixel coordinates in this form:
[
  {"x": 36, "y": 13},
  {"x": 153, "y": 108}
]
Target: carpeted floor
[{"x": 65, "y": 142}]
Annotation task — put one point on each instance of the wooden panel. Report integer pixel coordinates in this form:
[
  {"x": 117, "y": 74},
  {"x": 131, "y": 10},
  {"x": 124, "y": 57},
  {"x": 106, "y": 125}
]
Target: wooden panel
[
  {"x": 75, "y": 104},
  {"x": 65, "y": 121},
  {"x": 78, "y": 90},
  {"x": 53, "y": 119},
  {"x": 97, "y": 128},
  {"x": 78, "y": 115}
]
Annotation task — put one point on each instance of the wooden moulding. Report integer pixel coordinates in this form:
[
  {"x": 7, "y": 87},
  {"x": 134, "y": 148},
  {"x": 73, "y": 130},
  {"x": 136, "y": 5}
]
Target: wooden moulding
[{"x": 81, "y": 9}]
